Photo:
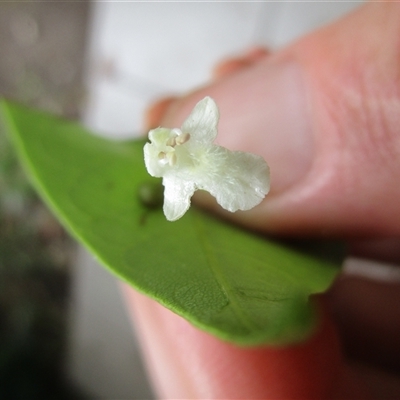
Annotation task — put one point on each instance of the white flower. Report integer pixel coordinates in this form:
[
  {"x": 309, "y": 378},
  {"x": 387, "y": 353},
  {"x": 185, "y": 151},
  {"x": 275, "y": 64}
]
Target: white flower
[{"x": 187, "y": 160}]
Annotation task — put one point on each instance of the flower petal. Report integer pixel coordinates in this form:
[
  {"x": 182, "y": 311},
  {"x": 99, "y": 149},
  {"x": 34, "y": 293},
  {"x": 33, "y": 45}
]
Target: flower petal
[
  {"x": 159, "y": 135},
  {"x": 202, "y": 121},
  {"x": 151, "y": 160},
  {"x": 177, "y": 194},
  {"x": 242, "y": 181},
  {"x": 188, "y": 160}
]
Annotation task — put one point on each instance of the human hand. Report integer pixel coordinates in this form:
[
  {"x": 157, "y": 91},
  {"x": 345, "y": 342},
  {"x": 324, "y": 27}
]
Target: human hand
[{"x": 325, "y": 114}]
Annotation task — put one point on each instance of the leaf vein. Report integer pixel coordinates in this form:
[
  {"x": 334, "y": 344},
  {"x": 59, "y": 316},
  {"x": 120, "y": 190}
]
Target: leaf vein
[{"x": 219, "y": 277}]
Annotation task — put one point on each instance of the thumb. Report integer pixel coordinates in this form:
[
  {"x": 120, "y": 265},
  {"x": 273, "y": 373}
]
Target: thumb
[{"x": 325, "y": 114}]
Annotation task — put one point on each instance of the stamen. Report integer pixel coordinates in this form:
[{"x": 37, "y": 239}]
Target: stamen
[
  {"x": 171, "y": 142},
  {"x": 171, "y": 157},
  {"x": 162, "y": 158},
  {"x": 176, "y": 132},
  {"x": 181, "y": 139}
]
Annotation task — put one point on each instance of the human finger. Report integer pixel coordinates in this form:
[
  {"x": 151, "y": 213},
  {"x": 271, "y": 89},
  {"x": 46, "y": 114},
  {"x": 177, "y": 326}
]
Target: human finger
[
  {"x": 187, "y": 363},
  {"x": 324, "y": 113},
  {"x": 235, "y": 64}
]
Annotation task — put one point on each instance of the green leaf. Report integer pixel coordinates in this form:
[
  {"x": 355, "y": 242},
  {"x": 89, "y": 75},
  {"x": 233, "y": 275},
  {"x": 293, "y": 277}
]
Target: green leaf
[{"x": 234, "y": 284}]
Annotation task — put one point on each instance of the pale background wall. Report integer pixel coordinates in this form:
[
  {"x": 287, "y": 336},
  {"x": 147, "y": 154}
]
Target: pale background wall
[{"x": 139, "y": 51}]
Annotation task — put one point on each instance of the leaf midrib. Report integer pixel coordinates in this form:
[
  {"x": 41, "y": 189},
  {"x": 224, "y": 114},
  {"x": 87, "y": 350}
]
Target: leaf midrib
[{"x": 225, "y": 286}]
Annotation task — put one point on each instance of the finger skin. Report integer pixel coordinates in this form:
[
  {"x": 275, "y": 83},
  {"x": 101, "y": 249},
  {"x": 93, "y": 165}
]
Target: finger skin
[
  {"x": 235, "y": 64},
  {"x": 156, "y": 111},
  {"x": 351, "y": 75},
  {"x": 186, "y": 363}
]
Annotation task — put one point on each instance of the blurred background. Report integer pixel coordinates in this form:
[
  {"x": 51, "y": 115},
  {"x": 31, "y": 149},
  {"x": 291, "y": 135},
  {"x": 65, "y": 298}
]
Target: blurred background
[{"x": 64, "y": 332}]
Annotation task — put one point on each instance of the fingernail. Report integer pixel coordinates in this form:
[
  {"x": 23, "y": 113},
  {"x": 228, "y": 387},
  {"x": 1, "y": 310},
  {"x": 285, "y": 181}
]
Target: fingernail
[
  {"x": 289, "y": 139},
  {"x": 235, "y": 64},
  {"x": 264, "y": 109},
  {"x": 257, "y": 53},
  {"x": 155, "y": 112},
  {"x": 271, "y": 119},
  {"x": 228, "y": 67}
]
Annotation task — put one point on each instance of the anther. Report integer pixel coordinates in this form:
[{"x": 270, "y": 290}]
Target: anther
[
  {"x": 171, "y": 142},
  {"x": 183, "y": 138},
  {"x": 171, "y": 157},
  {"x": 162, "y": 158}
]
